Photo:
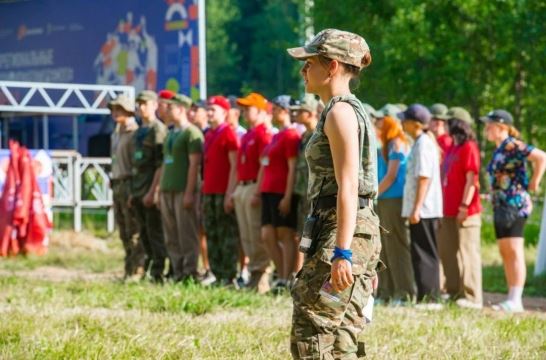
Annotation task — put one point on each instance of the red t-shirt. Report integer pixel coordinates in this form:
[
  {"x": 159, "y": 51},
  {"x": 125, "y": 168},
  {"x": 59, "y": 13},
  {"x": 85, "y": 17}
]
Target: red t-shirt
[
  {"x": 252, "y": 146},
  {"x": 446, "y": 143},
  {"x": 275, "y": 160},
  {"x": 458, "y": 161},
  {"x": 218, "y": 143}
]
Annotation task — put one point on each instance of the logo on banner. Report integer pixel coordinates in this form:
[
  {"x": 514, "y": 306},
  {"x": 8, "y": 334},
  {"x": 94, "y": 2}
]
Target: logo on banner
[
  {"x": 128, "y": 56},
  {"x": 177, "y": 19},
  {"x": 24, "y": 31}
]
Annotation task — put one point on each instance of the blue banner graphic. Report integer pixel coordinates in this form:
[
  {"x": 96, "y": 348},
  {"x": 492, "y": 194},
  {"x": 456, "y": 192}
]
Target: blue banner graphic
[{"x": 148, "y": 44}]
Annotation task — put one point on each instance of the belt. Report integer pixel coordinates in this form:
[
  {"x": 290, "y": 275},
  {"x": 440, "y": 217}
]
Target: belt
[
  {"x": 328, "y": 202},
  {"x": 247, "y": 182}
]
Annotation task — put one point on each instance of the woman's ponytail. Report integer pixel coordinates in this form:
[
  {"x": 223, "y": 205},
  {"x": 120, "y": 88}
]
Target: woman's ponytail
[{"x": 513, "y": 132}]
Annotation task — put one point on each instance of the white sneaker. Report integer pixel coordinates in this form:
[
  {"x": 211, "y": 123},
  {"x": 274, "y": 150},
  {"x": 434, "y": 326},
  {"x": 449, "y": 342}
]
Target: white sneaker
[
  {"x": 467, "y": 304},
  {"x": 508, "y": 307},
  {"x": 245, "y": 275},
  {"x": 208, "y": 278}
]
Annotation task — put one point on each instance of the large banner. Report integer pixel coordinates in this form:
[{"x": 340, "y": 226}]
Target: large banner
[{"x": 148, "y": 44}]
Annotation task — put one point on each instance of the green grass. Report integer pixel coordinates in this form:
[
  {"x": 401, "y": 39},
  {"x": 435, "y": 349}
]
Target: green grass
[
  {"x": 191, "y": 299},
  {"x": 70, "y": 304},
  {"x": 109, "y": 320},
  {"x": 93, "y": 220}
]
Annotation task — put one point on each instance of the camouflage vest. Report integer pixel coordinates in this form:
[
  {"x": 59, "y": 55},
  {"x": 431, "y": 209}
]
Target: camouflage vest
[{"x": 319, "y": 156}]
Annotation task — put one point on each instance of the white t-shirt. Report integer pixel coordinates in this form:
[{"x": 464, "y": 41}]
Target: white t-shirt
[{"x": 423, "y": 161}]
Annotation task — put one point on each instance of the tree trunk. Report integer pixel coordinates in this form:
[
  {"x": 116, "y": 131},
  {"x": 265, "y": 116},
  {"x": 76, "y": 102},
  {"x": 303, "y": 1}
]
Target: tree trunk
[{"x": 519, "y": 88}]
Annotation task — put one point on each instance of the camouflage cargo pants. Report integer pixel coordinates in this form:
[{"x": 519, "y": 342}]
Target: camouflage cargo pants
[
  {"x": 222, "y": 237},
  {"x": 327, "y": 329},
  {"x": 128, "y": 227}
]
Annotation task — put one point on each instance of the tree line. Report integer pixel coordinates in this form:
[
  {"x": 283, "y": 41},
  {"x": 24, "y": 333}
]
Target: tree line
[{"x": 472, "y": 53}]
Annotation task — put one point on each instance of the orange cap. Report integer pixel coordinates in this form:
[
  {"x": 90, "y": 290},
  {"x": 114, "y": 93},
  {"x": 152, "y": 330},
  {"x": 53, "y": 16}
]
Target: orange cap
[{"x": 253, "y": 99}]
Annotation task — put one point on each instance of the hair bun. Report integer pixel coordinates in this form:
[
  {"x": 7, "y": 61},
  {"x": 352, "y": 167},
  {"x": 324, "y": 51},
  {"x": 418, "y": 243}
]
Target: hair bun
[{"x": 366, "y": 60}]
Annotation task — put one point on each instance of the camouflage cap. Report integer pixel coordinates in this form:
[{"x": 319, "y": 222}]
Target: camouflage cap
[
  {"x": 438, "y": 111},
  {"x": 124, "y": 102},
  {"x": 343, "y": 46},
  {"x": 460, "y": 114},
  {"x": 387, "y": 110},
  {"x": 146, "y": 95},
  {"x": 307, "y": 103},
  {"x": 180, "y": 99}
]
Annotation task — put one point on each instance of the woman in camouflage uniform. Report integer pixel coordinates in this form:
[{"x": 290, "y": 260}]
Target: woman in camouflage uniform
[{"x": 341, "y": 235}]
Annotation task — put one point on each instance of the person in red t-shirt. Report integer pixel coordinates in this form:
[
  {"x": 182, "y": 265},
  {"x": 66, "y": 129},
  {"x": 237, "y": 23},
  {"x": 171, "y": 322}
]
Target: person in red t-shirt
[
  {"x": 459, "y": 235},
  {"x": 279, "y": 204},
  {"x": 246, "y": 196},
  {"x": 438, "y": 126},
  {"x": 219, "y": 180}
]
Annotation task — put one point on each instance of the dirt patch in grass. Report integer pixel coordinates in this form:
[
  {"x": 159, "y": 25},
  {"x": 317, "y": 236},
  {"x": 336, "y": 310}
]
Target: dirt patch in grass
[
  {"x": 73, "y": 241},
  {"x": 59, "y": 274}
]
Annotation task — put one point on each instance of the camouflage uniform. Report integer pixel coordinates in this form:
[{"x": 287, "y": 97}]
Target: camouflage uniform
[
  {"x": 147, "y": 158},
  {"x": 321, "y": 328},
  {"x": 302, "y": 179},
  {"x": 222, "y": 237},
  {"x": 121, "y": 150}
]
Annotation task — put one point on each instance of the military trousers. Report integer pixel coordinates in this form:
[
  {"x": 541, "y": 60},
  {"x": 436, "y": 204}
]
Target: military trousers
[
  {"x": 222, "y": 237},
  {"x": 323, "y": 328},
  {"x": 459, "y": 249},
  {"x": 181, "y": 229},
  {"x": 151, "y": 236},
  {"x": 128, "y": 226},
  {"x": 396, "y": 281}
]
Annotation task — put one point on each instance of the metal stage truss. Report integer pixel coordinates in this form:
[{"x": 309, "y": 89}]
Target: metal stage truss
[
  {"x": 78, "y": 182},
  {"x": 89, "y": 99}
]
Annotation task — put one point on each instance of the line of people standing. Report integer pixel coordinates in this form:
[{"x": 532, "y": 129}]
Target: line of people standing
[
  {"x": 189, "y": 181},
  {"x": 429, "y": 183}
]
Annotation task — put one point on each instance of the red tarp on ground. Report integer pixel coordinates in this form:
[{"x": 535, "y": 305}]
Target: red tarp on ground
[{"x": 23, "y": 221}]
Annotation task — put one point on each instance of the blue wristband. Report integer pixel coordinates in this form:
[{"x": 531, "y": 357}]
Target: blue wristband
[{"x": 345, "y": 254}]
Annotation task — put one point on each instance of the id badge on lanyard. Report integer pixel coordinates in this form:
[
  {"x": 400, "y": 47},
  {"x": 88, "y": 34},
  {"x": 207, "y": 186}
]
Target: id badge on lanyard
[
  {"x": 265, "y": 161},
  {"x": 168, "y": 160}
]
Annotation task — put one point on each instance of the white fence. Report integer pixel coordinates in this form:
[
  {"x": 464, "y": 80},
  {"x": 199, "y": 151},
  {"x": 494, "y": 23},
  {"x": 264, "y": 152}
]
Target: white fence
[{"x": 82, "y": 183}]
